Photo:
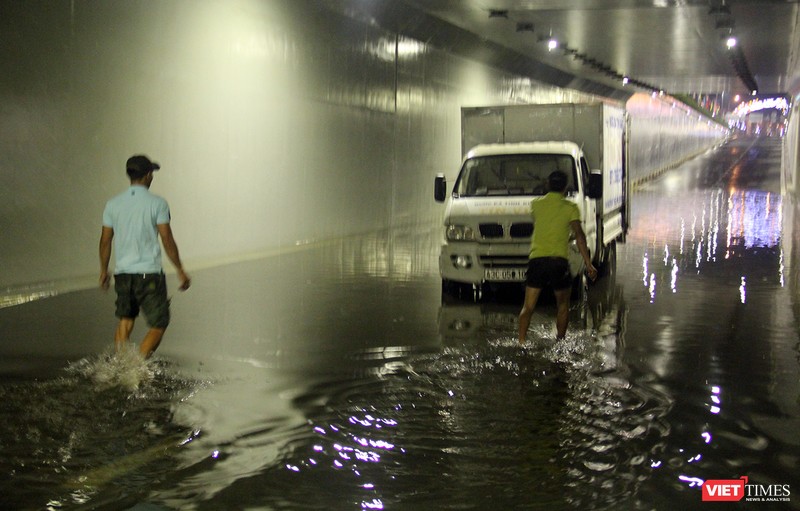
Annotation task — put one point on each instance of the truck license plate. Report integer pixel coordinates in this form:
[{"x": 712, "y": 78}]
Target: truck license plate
[{"x": 504, "y": 274}]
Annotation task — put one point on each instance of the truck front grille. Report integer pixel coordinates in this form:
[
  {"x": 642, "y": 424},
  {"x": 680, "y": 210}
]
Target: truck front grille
[
  {"x": 491, "y": 230},
  {"x": 523, "y": 230},
  {"x": 517, "y": 230}
]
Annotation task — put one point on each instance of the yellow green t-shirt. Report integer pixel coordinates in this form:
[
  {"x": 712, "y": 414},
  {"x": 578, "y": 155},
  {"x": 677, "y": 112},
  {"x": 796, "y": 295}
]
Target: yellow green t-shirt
[{"x": 552, "y": 214}]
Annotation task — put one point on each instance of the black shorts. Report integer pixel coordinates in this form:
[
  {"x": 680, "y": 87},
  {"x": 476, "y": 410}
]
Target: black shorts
[
  {"x": 552, "y": 272},
  {"x": 145, "y": 291}
]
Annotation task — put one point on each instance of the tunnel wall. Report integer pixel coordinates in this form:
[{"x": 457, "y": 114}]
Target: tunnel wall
[
  {"x": 277, "y": 124},
  {"x": 791, "y": 152},
  {"x": 665, "y": 133}
]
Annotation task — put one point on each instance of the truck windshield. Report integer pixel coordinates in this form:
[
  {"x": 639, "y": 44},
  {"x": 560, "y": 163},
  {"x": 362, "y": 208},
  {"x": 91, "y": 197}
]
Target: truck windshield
[{"x": 513, "y": 174}]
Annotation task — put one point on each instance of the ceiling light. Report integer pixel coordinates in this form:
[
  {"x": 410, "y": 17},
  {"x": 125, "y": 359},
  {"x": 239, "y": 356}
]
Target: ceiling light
[
  {"x": 730, "y": 42},
  {"x": 722, "y": 9},
  {"x": 726, "y": 23},
  {"x": 524, "y": 27},
  {"x": 552, "y": 44}
]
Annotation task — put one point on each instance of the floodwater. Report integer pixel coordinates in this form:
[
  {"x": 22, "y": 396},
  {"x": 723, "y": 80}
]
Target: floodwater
[{"x": 335, "y": 376}]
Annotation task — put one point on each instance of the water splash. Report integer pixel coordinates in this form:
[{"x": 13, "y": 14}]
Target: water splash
[{"x": 125, "y": 369}]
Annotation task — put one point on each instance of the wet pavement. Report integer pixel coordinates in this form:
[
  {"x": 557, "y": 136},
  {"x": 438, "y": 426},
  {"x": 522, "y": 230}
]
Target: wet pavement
[{"x": 336, "y": 376}]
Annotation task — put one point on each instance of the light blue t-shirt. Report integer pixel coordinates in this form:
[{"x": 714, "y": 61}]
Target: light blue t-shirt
[{"x": 134, "y": 215}]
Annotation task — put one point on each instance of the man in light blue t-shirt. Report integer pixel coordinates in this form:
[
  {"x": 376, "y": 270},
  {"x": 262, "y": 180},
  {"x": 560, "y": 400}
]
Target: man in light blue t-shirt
[{"x": 134, "y": 220}]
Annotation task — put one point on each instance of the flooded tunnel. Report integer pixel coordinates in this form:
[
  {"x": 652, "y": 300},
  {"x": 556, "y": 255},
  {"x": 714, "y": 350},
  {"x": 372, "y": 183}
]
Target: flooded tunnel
[{"x": 316, "y": 363}]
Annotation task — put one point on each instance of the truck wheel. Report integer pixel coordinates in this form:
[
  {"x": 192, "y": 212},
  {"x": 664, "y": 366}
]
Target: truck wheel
[
  {"x": 607, "y": 260},
  {"x": 450, "y": 288},
  {"x": 461, "y": 291},
  {"x": 610, "y": 264},
  {"x": 580, "y": 287}
]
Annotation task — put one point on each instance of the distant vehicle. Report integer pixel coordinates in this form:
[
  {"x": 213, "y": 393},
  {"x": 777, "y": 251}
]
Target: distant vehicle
[{"x": 508, "y": 153}]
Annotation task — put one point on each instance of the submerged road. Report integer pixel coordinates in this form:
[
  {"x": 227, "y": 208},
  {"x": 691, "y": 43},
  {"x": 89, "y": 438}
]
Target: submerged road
[{"x": 335, "y": 376}]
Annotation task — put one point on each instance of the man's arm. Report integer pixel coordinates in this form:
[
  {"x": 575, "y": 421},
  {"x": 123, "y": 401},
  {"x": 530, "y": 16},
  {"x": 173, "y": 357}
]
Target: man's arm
[
  {"x": 106, "y": 235},
  {"x": 580, "y": 238},
  {"x": 171, "y": 248}
]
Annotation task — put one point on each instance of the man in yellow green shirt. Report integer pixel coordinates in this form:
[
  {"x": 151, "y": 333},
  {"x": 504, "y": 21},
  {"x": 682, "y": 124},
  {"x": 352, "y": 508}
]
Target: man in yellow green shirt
[{"x": 554, "y": 219}]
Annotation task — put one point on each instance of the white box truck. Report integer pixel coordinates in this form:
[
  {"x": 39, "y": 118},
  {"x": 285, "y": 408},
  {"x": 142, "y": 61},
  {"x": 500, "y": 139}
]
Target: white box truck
[{"x": 508, "y": 152}]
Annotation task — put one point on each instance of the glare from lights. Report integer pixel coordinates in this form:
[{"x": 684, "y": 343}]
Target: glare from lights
[
  {"x": 730, "y": 42},
  {"x": 743, "y": 291},
  {"x": 691, "y": 481},
  {"x": 754, "y": 105},
  {"x": 409, "y": 47},
  {"x": 624, "y": 80},
  {"x": 552, "y": 44}
]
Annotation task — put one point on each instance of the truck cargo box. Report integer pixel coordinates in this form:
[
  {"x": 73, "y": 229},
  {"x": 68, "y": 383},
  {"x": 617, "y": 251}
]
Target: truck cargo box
[{"x": 599, "y": 129}]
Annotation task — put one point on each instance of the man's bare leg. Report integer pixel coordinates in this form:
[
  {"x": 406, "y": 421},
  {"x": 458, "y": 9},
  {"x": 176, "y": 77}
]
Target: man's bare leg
[
  {"x": 123, "y": 332},
  {"x": 562, "y": 311},
  {"x": 151, "y": 341},
  {"x": 531, "y": 297}
]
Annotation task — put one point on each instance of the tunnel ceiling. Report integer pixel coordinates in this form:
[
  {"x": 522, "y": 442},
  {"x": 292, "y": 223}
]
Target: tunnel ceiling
[{"x": 678, "y": 46}]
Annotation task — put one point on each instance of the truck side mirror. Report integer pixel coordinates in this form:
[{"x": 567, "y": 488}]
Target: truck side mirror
[
  {"x": 595, "y": 189},
  {"x": 440, "y": 188}
]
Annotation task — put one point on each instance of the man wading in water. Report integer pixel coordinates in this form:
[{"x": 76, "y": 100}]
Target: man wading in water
[
  {"x": 554, "y": 218},
  {"x": 134, "y": 220}
]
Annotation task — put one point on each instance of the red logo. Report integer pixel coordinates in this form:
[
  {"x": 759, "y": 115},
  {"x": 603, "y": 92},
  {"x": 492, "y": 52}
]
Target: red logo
[{"x": 724, "y": 490}]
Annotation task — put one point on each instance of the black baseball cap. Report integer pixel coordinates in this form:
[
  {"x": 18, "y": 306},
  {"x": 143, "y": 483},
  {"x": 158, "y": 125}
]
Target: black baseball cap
[
  {"x": 557, "y": 180},
  {"x": 138, "y": 166}
]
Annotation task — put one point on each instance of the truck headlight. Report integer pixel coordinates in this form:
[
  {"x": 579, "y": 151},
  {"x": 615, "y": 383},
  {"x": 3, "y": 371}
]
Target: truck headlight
[{"x": 460, "y": 233}]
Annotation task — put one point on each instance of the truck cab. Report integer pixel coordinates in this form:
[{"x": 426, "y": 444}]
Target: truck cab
[
  {"x": 508, "y": 152},
  {"x": 487, "y": 222}
]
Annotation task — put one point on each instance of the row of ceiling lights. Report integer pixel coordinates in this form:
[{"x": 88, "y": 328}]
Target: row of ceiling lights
[
  {"x": 554, "y": 44},
  {"x": 724, "y": 22}
]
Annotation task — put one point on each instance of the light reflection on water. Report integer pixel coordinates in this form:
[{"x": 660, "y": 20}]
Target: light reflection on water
[{"x": 752, "y": 222}]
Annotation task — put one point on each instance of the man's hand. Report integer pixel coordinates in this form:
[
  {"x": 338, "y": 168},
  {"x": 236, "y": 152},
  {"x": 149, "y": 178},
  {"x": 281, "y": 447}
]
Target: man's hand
[
  {"x": 592, "y": 272},
  {"x": 105, "y": 280},
  {"x": 171, "y": 248},
  {"x": 185, "y": 280},
  {"x": 106, "y": 236}
]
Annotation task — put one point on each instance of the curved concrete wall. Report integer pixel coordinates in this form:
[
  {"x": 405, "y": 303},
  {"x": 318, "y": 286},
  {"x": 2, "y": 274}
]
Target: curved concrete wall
[{"x": 276, "y": 123}]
